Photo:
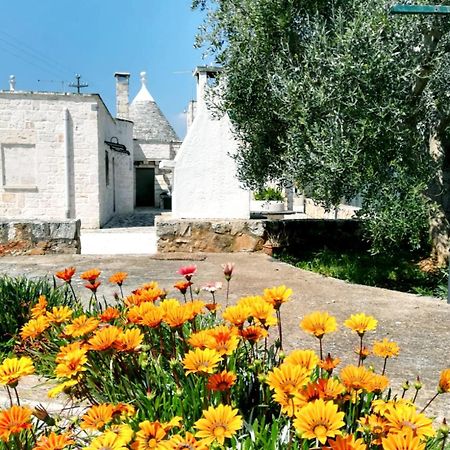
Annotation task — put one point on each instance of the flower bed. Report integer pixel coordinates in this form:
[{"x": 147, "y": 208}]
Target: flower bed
[{"x": 164, "y": 371}]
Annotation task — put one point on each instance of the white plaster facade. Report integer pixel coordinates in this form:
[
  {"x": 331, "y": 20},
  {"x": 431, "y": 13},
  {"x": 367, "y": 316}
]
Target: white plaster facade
[
  {"x": 205, "y": 176},
  {"x": 53, "y": 158}
]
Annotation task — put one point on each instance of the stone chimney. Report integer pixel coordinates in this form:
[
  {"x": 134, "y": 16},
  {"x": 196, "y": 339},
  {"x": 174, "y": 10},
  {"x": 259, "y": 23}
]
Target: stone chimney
[{"x": 122, "y": 94}]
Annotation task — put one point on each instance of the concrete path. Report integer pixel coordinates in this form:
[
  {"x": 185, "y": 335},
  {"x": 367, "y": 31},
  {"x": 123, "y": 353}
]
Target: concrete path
[{"x": 420, "y": 325}]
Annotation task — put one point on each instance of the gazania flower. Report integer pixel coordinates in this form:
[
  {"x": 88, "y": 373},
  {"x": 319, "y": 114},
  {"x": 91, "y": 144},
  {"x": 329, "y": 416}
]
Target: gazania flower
[
  {"x": 13, "y": 421},
  {"x": 224, "y": 340},
  {"x": 177, "y": 316},
  {"x": 276, "y": 296},
  {"x": 361, "y": 323},
  {"x": 319, "y": 420},
  {"x": 378, "y": 383},
  {"x": 54, "y": 441},
  {"x": 329, "y": 363},
  {"x": 406, "y": 441},
  {"x": 201, "y": 339},
  {"x": 218, "y": 424},
  {"x": 260, "y": 310},
  {"x": 290, "y": 402},
  {"x": 187, "y": 271},
  {"x": 221, "y": 381},
  {"x": 109, "y": 314},
  {"x": 97, "y": 417},
  {"x": 66, "y": 274},
  {"x": 400, "y": 420},
  {"x": 444, "y": 381},
  {"x": 211, "y": 307},
  {"x": 201, "y": 361},
  {"x": 319, "y": 323},
  {"x": 188, "y": 442},
  {"x": 347, "y": 443},
  {"x": 104, "y": 338},
  {"x": 62, "y": 387},
  {"x": 195, "y": 308},
  {"x": 90, "y": 275},
  {"x": 385, "y": 348},
  {"x": 236, "y": 315},
  {"x": 69, "y": 348},
  {"x": 375, "y": 426},
  {"x": 287, "y": 378},
  {"x": 228, "y": 270},
  {"x": 40, "y": 308},
  {"x": 253, "y": 333},
  {"x": 212, "y": 286},
  {"x": 108, "y": 441},
  {"x": 118, "y": 278},
  {"x": 182, "y": 286},
  {"x": 93, "y": 286},
  {"x": 34, "y": 327},
  {"x": 150, "y": 436},
  {"x": 357, "y": 378},
  {"x": 363, "y": 352},
  {"x": 324, "y": 388},
  {"x": 59, "y": 314},
  {"x": 81, "y": 326},
  {"x": 304, "y": 358},
  {"x": 12, "y": 369},
  {"x": 124, "y": 410},
  {"x": 152, "y": 317},
  {"x": 72, "y": 363},
  {"x": 129, "y": 340}
]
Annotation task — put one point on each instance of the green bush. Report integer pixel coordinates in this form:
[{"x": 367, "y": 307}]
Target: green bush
[
  {"x": 17, "y": 295},
  {"x": 269, "y": 194}
]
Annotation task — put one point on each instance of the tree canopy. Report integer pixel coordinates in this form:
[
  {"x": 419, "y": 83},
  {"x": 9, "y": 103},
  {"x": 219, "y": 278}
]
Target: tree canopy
[{"x": 340, "y": 98}]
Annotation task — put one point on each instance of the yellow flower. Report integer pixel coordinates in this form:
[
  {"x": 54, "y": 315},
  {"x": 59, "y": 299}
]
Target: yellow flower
[
  {"x": 108, "y": 441},
  {"x": 188, "y": 442},
  {"x": 150, "y": 436},
  {"x": 260, "y": 310},
  {"x": 319, "y": 420},
  {"x": 319, "y": 323},
  {"x": 288, "y": 378},
  {"x": 325, "y": 388},
  {"x": 402, "y": 419},
  {"x": 444, "y": 381},
  {"x": 60, "y": 388},
  {"x": 201, "y": 361},
  {"x": 12, "y": 369},
  {"x": 361, "y": 323},
  {"x": 59, "y": 314},
  {"x": 175, "y": 317},
  {"x": 378, "y": 383},
  {"x": 218, "y": 424},
  {"x": 276, "y": 296},
  {"x": 303, "y": 358},
  {"x": 290, "y": 402},
  {"x": 13, "y": 421},
  {"x": 129, "y": 341},
  {"x": 385, "y": 348},
  {"x": 54, "y": 441},
  {"x": 97, "y": 417},
  {"x": 81, "y": 325},
  {"x": 34, "y": 327},
  {"x": 224, "y": 340},
  {"x": 104, "y": 338},
  {"x": 357, "y": 378},
  {"x": 406, "y": 441},
  {"x": 71, "y": 363},
  {"x": 201, "y": 339},
  {"x": 236, "y": 315}
]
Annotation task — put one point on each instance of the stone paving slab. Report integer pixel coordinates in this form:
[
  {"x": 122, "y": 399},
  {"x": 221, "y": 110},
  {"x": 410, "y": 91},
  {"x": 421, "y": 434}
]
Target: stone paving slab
[{"x": 420, "y": 325}]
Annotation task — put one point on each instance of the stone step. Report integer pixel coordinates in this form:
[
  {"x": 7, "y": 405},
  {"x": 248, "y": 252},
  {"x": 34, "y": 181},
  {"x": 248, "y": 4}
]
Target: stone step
[{"x": 119, "y": 241}]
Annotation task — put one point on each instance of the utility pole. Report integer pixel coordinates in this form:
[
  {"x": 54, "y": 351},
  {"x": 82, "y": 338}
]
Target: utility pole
[
  {"x": 78, "y": 85},
  {"x": 434, "y": 10}
]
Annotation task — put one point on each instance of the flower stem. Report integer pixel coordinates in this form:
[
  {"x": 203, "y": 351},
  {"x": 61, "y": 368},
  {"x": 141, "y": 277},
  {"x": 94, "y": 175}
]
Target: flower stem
[{"x": 429, "y": 403}]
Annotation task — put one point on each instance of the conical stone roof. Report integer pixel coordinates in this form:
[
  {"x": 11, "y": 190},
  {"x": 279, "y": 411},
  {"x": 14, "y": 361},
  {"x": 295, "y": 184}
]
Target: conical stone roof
[{"x": 150, "y": 123}]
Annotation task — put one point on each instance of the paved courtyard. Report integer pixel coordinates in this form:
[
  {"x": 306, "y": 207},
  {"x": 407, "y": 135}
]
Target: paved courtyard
[{"x": 420, "y": 325}]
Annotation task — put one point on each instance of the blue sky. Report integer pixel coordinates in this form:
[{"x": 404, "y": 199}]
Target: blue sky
[{"x": 51, "y": 40}]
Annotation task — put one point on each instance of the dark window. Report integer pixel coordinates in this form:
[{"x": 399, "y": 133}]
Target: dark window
[{"x": 107, "y": 167}]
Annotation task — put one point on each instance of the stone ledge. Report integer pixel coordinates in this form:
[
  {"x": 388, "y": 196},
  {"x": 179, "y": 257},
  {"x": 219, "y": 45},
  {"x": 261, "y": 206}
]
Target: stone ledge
[{"x": 39, "y": 237}]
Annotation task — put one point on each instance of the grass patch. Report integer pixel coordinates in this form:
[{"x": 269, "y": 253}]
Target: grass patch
[{"x": 399, "y": 272}]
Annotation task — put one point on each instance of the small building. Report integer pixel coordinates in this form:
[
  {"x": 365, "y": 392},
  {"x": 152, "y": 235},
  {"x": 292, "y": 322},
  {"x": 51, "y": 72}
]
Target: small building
[
  {"x": 64, "y": 156},
  {"x": 154, "y": 141}
]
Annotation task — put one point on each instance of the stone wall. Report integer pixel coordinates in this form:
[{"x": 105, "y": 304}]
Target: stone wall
[
  {"x": 33, "y": 237},
  {"x": 218, "y": 236}
]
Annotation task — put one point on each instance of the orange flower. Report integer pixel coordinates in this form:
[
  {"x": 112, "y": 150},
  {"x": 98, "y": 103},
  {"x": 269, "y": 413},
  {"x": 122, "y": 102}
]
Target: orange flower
[
  {"x": 144, "y": 295},
  {"x": 357, "y": 378},
  {"x": 109, "y": 314},
  {"x": 329, "y": 363},
  {"x": 13, "y": 421},
  {"x": 253, "y": 333},
  {"x": 97, "y": 417},
  {"x": 303, "y": 358},
  {"x": 54, "y": 441},
  {"x": 175, "y": 317},
  {"x": 90, "y": 275},
  {"x": 129, "y": 340},
  {"x": 104, "y": 338},
  {"x": 34, "y": 327},
  {"x": 325, "y": 388},
  {"x": 361, "y": 323},
  {"x": 93, "y": 286},
  {"x": 385, "y": 348},
  {"x": 80, "y": 326},
  {"x": 347, "y": 443},
  {"x": 405, "y": 441},
  {"x": 444, "y": 381},
  {"x": 319, "y": 323},
  {"x": 225, "y": 340},
  {"x": 150, "y": 435},
  {"x": 221, "y": 381},
  {"x": 71, "y": 363},
  {"x": 182, "y": 286},
  {"x": 201, "y": 361},
  {"x": 260, "y": 310},
  {"x": 66, "y": 274},
  {"x": 277, "y": 295},
  {"x": 237, "y": 315},
  {"x": 201, "y": 339},
  {"x": 188, "y": 442},
  {"x": 40, "y": 308},
  {"x": 118, "y": 278}
]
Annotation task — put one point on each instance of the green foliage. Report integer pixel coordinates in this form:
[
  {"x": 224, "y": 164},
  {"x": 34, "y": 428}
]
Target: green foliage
[
  {"x": 342, "y": 98},
  {"x": 17, "y": 295},
  {"x": 269, "y": 194},
  {"x": 398, "y": 273}
]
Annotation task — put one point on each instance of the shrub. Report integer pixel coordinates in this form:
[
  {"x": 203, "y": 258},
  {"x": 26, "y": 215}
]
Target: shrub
[{"x": 269, "y": 194}]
